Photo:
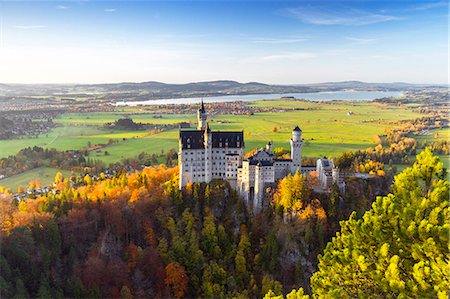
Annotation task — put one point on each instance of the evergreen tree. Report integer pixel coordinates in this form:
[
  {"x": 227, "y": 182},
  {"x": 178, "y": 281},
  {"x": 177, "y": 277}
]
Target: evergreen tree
[
  {"x": 399, "y": 249},
  {"x": 44, "y": 291},
  {"x": 21, "y": 291}
]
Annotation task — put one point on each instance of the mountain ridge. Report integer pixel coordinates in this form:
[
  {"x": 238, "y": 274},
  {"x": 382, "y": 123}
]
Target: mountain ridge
[{"x": 158, "y": 90}]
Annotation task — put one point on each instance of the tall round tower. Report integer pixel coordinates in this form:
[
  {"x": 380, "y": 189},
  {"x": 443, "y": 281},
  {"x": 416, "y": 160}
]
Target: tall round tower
[
  {"x": 296, "y": 149},
  {"x": 201, "y": 117}
]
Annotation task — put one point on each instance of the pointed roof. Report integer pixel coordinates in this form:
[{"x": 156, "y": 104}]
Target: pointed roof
[
  {"x": 297, "y": 129},
  {"x": 202, "y": 107}
]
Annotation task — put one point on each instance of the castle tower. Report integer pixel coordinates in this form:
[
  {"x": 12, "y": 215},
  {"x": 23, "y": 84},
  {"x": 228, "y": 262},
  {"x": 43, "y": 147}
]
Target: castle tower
[
  {"x": 296, "y": 149},
  {"x": 269, "y": 147},
  {"x": 201, "y": 117},
  {"x": 259, "y": 188},
  {"x": 207, "y": 139},
  {"x": 181, "y": 164}
]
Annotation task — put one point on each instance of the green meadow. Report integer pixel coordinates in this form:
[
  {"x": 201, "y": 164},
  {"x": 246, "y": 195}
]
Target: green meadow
[
  {"x": 46, "y": 176},
  {"x": 327, "y": 129},
  {"x": 434, "y": 135}
]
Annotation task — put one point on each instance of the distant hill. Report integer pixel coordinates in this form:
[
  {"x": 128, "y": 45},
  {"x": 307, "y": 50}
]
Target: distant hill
[
  {"x": 359, "y": 85},
  {"x": 157, "y": 90}
]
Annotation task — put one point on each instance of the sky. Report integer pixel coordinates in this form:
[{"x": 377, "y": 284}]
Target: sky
[{"x": 277, "y": 42}]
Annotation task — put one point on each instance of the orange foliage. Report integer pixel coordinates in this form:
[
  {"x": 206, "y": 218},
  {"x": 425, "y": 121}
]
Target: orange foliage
[
  {"x": 313, "y": 211},
  {"x": 312, "y": 178},
  {"x": 177, "y": 279},
  {"x": 36, "y": 183},
  {"x": 251, "y": 153},
  {"x": 115, "y": 193},
  {"x": 133, "y": 255},
  {"x": 150, "y": 235},
  {"x": 6, "y": 215}
]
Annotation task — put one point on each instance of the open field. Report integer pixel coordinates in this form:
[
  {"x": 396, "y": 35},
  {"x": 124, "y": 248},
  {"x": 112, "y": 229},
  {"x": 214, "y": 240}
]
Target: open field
[
  {"x": 67, "y": 137},
  {"x": 327, "y": 129},
  {"x": 46, "y": 176},
  {"x": 434, "y": 135},
  {"x": 100, "y": 118}
]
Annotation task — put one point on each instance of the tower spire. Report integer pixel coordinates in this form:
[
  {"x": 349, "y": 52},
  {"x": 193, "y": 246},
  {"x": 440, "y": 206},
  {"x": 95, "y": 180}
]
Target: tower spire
[
  {"x": 201, "y": 116},
  {"x": 202, "y": 107}
]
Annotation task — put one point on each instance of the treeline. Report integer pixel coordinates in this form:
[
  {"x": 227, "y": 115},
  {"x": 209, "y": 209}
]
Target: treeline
[
  {"x": 438, "y": 147},
  {"x": 169, "y": 158},
  {"x": 373, "y": 159},
  {"x": 410, "y": 127},
  {"x": 397, "y": 146},
  {"x": 33, "y": 157}
]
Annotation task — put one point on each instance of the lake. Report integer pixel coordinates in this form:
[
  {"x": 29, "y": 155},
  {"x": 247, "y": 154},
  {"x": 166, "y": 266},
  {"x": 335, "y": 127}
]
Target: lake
[{"x": 312, "y": 96}]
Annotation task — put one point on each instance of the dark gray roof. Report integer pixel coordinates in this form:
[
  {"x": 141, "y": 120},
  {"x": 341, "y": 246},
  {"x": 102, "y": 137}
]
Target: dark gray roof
[
  {"x": 227, "y": 139},
  {"x": 297, "y": 129},
  {"x": 263, "y": 163},
  {"x": 194, "y": 139}
]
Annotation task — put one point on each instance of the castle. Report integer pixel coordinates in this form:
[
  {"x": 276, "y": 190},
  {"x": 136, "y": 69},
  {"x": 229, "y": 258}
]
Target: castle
[{"x": 205, "y": 155}]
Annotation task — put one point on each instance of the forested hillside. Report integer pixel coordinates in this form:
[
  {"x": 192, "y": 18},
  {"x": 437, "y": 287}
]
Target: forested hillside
[
  {"x": 136, "y": 235},
  {"x": 398, "y": 249}
]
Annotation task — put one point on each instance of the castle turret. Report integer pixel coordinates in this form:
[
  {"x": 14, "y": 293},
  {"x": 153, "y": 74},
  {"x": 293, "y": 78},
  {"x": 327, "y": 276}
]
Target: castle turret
[
  {"x": 207, "y": 139},
  {"x": 259, "y": 188},
  {"x": 269, "y": 147},
  {"x": 180, "y": 162},
  {"x": 296, "y": 149},
  {"x": 201, "y": 117}
]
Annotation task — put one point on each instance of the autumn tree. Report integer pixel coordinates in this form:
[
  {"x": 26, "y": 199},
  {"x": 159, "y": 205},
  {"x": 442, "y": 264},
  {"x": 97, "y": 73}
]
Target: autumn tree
[
  {"x": 293, "y": 192},
  {"x": 59, "y": 178},
  {"x": 176, "y": 279},
  {"x": 294, "y": 294}
]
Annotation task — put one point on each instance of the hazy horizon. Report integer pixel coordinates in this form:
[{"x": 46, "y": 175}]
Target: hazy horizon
[
  {"x": 206, "y": 81},
  {"x": 274, "y": 42}
]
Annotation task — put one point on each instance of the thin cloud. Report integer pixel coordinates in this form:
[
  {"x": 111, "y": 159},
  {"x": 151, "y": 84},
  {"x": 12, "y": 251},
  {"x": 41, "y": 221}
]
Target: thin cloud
[
  {"x": 62, "y": 7},
  {"x": 352, "y": 17},
  {"x": 110, "y": 9},
  {"x": 277, "y": 40},
  {"x": 289, "y": 56},
  {"x": 28, "y": 27},
  {"x": 428, "y": 6},
  {"x": 358, "y": 40}
]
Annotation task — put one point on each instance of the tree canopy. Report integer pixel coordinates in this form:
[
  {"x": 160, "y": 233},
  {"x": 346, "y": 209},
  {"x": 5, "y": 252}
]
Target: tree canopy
[{"x": 399, "y": 249}]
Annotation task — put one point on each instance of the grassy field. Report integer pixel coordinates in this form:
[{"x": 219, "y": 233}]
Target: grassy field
[
  {"x": 327, "y": 129},
  {"x": 46, "y": 176},
  {"x": 435, "y": 135}
]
